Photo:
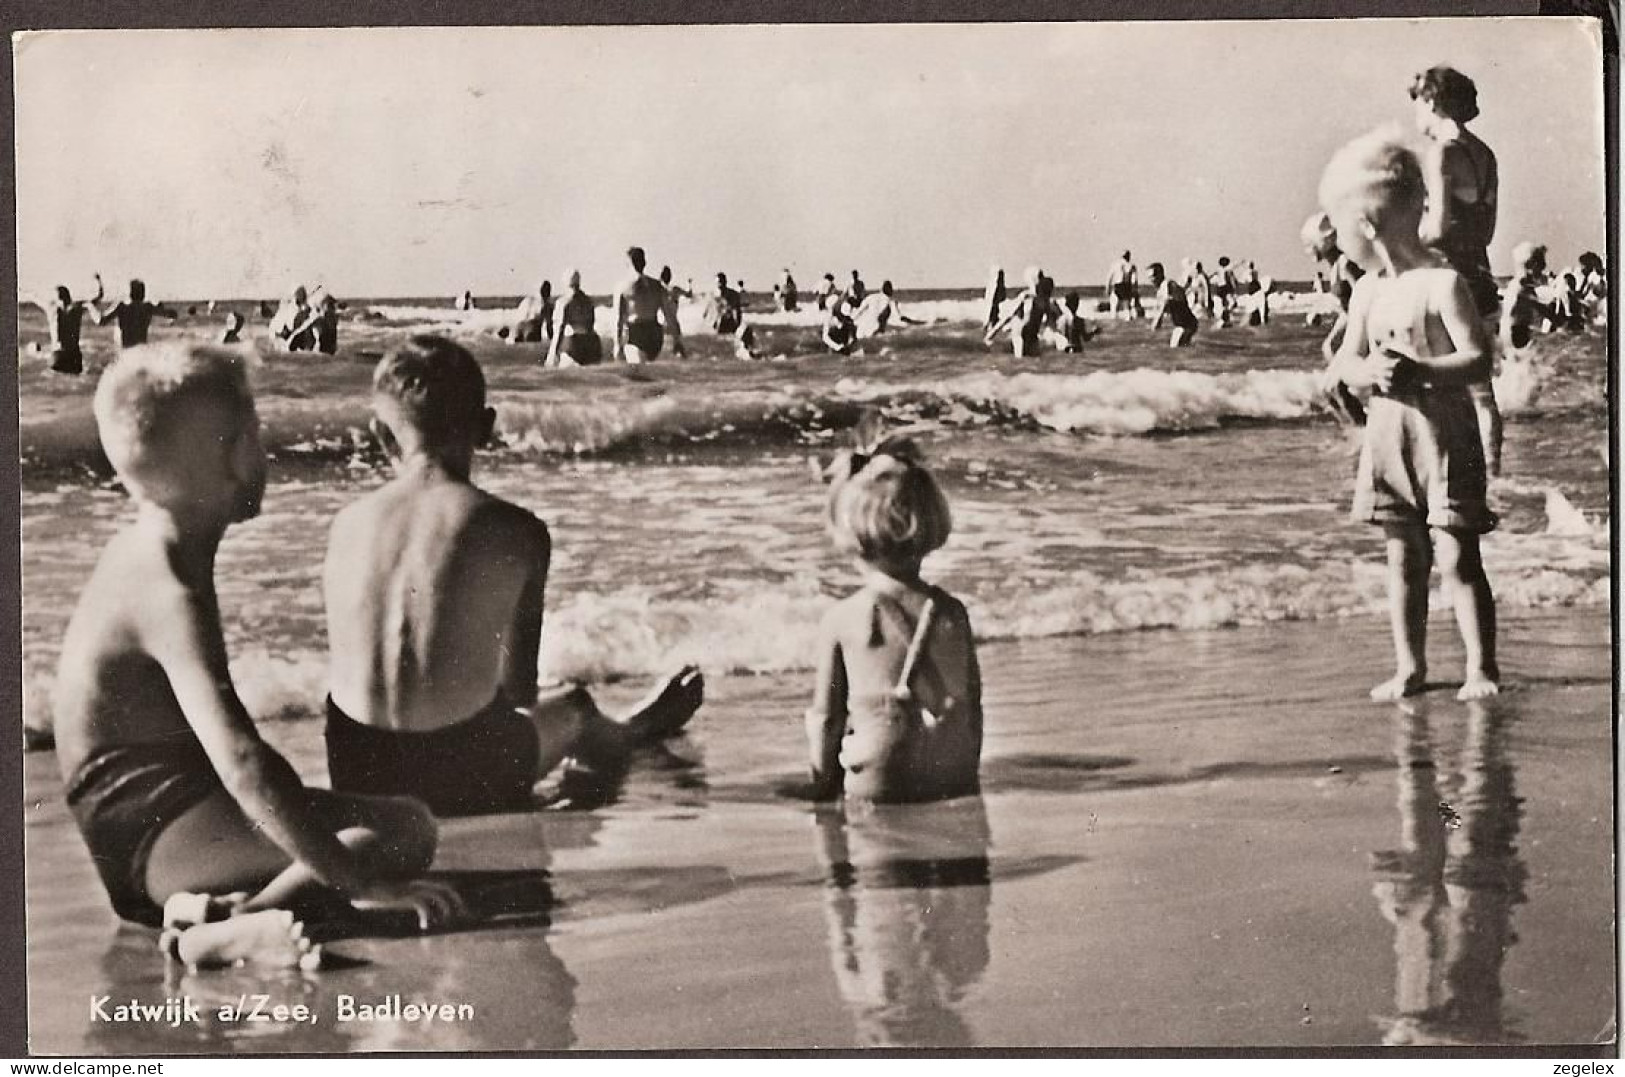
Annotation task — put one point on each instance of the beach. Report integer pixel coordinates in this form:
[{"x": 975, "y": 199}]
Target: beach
[
  {"x": 1185, "y": 840},
  {"x": 1195, "y": 830}
]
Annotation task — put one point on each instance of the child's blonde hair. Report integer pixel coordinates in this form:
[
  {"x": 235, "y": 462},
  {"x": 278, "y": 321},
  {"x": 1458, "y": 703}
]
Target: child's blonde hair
[
  {"x": 887, "y": 508},
  {"x": 147, "y": 410},
  {"x": 1376, "y": 176}
]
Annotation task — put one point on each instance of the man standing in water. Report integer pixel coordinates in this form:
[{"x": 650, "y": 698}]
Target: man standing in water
[
  {"x": 640, "y": 308},
  {"x": 132, "y": 315},
  {"x": 293, "y": 324},
  {"x": 1123, "y": 287},
  {"x": 65, "y": 315}
]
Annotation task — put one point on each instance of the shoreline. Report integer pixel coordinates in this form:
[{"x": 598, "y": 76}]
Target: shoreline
[{"x": 1209, "y": 826}]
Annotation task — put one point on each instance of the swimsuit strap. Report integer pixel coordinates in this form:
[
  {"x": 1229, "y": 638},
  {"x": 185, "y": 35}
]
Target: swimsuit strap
[{"x": 915, "y": 647}]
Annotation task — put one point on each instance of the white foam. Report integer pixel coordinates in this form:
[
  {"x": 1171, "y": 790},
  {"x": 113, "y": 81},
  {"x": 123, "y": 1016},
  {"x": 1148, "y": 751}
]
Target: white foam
[{"x": 1125, "y": 402}]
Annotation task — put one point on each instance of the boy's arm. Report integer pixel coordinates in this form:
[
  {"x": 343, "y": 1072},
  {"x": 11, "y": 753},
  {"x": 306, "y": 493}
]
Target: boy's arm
[
  {"x": 1004, "y": 321},
  {"x": 1350, "y": 364},
  {"x": 620, "y": 323},
  {"x": 1162, "y": 308},
  {"x": 826, "y": 718},
  {"x": 1436, "y": 217},
  {"x": 1334, "y": 338},
  {"x": 1515, "y": 310},
  {"x": 1470, "y": 361},
  {"x": 519, "y": 672},
  {"x": 188, "y": 644},
  {"x": 973, "y": 675},
  {"x": 668, "y": 314}
]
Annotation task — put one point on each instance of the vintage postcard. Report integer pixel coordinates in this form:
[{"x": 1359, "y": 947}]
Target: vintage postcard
[{"x": 958, "y": 536}]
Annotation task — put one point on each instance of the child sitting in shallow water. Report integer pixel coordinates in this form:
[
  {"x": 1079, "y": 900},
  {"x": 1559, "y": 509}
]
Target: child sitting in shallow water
[
  {"x": 897, "y": 707},
  {"x": 1416, "y": 338}
]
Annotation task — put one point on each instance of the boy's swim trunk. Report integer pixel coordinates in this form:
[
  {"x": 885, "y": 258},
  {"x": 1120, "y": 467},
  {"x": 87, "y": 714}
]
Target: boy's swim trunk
[
  {"x": 123, "y": 797},
  {"x": 645, "y": 336},
  {"x": 484, "y": 764},
  {"x": 1423, "y": 463},
  {"x": 585, "y": 348}
]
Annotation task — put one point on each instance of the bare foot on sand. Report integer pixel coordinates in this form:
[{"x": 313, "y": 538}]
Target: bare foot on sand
[
  {"x": 183, "y": 910},
  {"x": 1402, "y": 685},
  {"x": 1478, "y": 686},
  {"x": 665, "y": 710},
  {"x": 272, "y": 939}
]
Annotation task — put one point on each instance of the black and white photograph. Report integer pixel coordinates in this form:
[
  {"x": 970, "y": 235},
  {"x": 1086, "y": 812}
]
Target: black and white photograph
[{"x": 1062, "y": 536}]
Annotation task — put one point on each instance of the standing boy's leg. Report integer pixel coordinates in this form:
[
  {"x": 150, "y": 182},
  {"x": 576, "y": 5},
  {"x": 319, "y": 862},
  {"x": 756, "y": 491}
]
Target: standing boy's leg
[
  {"x": 1461, "y": 567},
  {"x": 1410, "y": 560}
]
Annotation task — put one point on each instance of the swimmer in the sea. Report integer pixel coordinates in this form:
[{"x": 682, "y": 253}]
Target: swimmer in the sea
[
  {"x": 292, "y": 323},
  {"x": 1071, "y": 328},
  {"x": 640, "y": 314},
  {"x": 674, "y": 295},
  {"x": 1123, "y": 287},
  {"x": 233, "y": 333},
  {"x": 826, "y": 291},
  {"x": 1223, "y": 287},
  {"x": 875, "y": 316},
  {"x": 131, "y": 316},
  {"x": 839, "y": 331},
  {"x": 993, "y": 299},
  {"x": 1522, "y": 309},
  {"x": 1172, "y": 305},
  {"x": 1030, "y": 312},
  {"x": 533, "y": 317},
  {"x": 1198, "y": 290},
  {"x": 575, "y": 343},
  {"x": 65, "y": 316}
]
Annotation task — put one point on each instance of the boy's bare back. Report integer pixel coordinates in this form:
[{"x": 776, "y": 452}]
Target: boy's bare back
[{"x": 434, "y": 596}]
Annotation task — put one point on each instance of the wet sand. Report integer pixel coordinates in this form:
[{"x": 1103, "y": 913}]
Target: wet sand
[{"x": 1186, "y": 839}]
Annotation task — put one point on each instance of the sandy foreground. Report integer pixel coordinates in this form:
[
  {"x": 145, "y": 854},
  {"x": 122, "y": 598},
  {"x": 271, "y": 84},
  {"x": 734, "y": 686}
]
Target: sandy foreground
[{"x": 1186, "y": 839}]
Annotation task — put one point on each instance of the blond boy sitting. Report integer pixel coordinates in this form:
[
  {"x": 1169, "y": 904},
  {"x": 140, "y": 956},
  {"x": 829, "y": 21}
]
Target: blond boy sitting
[{"x": 172, "y": 788}]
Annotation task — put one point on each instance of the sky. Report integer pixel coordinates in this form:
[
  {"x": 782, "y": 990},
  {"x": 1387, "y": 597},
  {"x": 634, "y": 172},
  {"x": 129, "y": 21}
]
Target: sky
[{"x": 423, "y": 161}]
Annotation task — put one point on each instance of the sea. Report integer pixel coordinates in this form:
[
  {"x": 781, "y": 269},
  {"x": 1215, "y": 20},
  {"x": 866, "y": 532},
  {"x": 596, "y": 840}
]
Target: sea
[{"x": 1133, "y": 487}]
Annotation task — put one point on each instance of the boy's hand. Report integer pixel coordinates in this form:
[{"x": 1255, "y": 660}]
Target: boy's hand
[
  {"x": 1386, "y": 367},
  {"x": 436, "y": 904}
]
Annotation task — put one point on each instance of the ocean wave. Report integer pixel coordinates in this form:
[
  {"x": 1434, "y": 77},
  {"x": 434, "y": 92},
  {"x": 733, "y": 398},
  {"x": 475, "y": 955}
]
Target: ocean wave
[
  {"x": 1140, "y": 401},
  {"x": 691, "y": 313},
  {"x": 597, "y": 637},
  {"x": 1104, "y": 402}
]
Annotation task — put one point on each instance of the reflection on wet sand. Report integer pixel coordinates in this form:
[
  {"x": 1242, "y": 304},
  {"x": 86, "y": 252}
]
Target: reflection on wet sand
[
  {"x": 1450, "y": 888},
  {"x": 907, "y": 899},
  {"x": 523, "y": 995}
]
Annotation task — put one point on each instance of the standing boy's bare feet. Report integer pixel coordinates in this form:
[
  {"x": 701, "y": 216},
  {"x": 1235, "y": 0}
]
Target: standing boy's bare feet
[
  {"x": 1478, "y": 685},
  {"x": 1402, "y": 685}
]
